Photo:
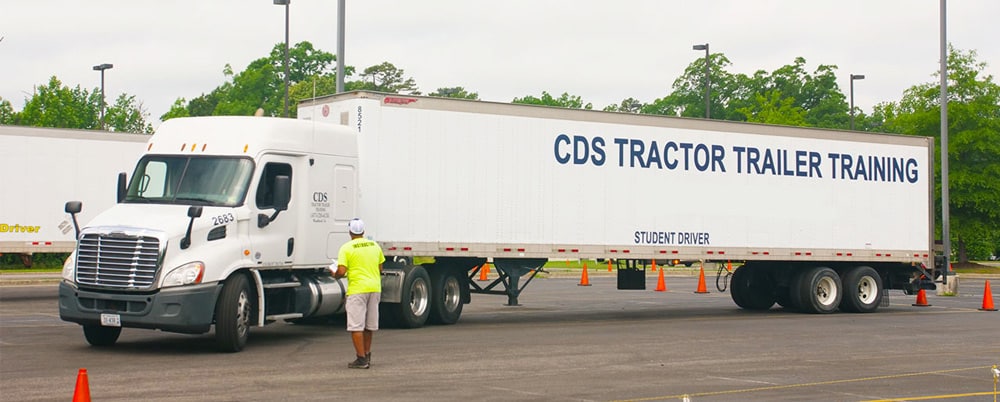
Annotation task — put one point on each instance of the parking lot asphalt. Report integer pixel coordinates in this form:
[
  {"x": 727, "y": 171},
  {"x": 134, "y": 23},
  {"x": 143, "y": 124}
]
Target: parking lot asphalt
[{"x": 565, "y": 342}]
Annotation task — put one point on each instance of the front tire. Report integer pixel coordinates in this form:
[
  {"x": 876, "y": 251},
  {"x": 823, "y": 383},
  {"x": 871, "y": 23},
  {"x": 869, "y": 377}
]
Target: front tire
[
  {"x": 817, "y": 291},
  {"x": 101, "y": 336},
  {"x": 232, "y": 314},
  {"x": 862, "y": 290},
  {"x": 446, "y": 297}
]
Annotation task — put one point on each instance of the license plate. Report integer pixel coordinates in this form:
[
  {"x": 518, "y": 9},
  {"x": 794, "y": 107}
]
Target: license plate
[{"x": 111, "y": 320}]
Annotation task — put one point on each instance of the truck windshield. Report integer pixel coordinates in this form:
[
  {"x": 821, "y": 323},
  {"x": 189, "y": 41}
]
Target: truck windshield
[{"x": 190, "y": 180}]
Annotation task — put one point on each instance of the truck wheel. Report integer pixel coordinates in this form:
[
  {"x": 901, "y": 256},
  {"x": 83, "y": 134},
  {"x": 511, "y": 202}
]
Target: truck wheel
[
  {"x": 232, "y": 314},
  {"x": 414, "y": 302},
  {"x": 101, "y": 336},
  {"x": 817, "y": 291},
  {"x": 862, "y": 290},
  {"x": 751, "y": 289},
  {"x": 446, "y": 297}
]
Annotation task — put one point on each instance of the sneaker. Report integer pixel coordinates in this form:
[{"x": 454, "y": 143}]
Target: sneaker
[
  {"x": 368, "y": 357},
  {"x": 359, "y": 363}
]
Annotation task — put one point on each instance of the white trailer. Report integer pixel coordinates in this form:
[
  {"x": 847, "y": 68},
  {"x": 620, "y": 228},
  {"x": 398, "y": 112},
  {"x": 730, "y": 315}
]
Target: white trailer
[
  {"x": 821, "y": 220},
  {"x": 41, "y": 168}
]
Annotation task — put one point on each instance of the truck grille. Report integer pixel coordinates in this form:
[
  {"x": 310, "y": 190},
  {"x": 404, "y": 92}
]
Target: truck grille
[{"x": 119, "y": 261}]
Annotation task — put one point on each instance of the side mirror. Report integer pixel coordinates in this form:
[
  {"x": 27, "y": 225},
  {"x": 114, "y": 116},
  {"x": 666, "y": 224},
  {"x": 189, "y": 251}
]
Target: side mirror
[
  {"x": 122, "y": 189},
  {"x": 194, "y": 211},
  {"x": 72, "y": 208},
  {"x": 282, "y": 196},
  {"x": 282, "y": 192}
]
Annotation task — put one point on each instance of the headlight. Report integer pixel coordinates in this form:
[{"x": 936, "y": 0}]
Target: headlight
[
  {"x": 69, "y": 267},
  {"x": 186, "y": 274}
]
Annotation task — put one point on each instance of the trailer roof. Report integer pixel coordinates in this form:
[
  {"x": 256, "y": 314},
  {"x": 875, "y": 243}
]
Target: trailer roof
[
  {"x": 71, "y": 133},
  {"x": 550, "y": 112}
]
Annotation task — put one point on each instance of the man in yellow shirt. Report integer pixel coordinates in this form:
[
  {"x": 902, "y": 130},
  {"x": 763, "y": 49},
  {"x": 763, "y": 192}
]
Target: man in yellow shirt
[{"x": 360, "y": 260}]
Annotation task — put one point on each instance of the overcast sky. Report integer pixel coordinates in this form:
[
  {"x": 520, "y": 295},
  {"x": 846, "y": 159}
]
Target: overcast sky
[{"x": 603, "y": 51}]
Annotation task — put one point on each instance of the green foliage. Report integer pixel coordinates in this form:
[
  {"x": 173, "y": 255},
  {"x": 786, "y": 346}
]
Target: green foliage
[
  {"x": 176, "y": 110},
  {"x": 789, "y": 95},
  {"x": 628, "y": 105},
  {"x": 565, "y": 100},
  {"x": 126, "y": 116},
  {"x": 261, "y": 85},
  {"x": 455, "y": 92},
  {"x": 7, "y": 115},
  {"x": 386, "y": 77},
  {"x": 56, "y": 105},
  {"x": 771, "y": 108},
  {"x": 973, "y": 148}
]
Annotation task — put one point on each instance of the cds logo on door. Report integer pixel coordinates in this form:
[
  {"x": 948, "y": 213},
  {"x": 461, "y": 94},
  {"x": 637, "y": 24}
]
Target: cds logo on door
[{"x": 320, "y": 205}]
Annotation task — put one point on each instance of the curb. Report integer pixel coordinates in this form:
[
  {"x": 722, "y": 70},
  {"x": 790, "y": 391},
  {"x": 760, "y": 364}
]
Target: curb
[{"x": 29, "y": 279}]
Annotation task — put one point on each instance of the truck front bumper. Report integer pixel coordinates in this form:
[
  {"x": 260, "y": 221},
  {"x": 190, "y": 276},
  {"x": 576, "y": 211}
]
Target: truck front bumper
[{"x": 186, "y": 309}]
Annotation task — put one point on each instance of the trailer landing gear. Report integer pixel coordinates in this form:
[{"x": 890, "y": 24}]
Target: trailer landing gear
[{"x": 510, "y": 271}]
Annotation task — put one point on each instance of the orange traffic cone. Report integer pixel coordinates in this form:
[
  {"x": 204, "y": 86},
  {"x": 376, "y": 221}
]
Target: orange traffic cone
[
  {"x": 921, "y": 299},
  {"x": 701, "y": 280},
  {"x": 661, "y": 286},
  {"x": 584, "y": 279},
  {"x": 609, "y": 265},
  {"x": 654, "y": 265},
  {"x": 987, "y": 298},
  {"x": 484, "y": 271},
  {"x": 82, "y": 392}
]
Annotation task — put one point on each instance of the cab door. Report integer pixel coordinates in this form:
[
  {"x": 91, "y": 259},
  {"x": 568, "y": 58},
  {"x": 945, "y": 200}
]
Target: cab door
[{"x": 272, "y": 236}]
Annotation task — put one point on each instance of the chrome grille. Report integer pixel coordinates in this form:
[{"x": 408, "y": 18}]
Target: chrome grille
[{"x": 117, "y": 260}]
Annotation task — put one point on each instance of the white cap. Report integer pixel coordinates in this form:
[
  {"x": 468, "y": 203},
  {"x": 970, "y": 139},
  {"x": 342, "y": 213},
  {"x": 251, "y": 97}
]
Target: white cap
[{"x": 356, "y": 226}]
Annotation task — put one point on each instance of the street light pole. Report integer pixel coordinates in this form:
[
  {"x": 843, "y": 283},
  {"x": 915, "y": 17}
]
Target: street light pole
[
  {"x": 285, "y": 3},
  {"x": 340, "y": 45},
  {"x": 708, "y": 80},
  {"x": 854, "y": 77},
  {"x": 101, "y": 68}
]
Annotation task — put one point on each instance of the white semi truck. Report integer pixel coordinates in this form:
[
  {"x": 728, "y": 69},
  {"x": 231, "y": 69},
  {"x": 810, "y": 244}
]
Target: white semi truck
[
  {"x": 41, "y": 168},
  {"x": 233, "y": 221}
]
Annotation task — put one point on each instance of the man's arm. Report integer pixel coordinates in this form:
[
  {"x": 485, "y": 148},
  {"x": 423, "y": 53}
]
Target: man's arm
[{"x": 341, "y": 271}]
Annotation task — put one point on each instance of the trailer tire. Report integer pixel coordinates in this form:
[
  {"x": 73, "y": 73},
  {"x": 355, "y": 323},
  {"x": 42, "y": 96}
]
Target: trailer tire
[
  {"x": 862, "y": 290},
  {"x": 446, "y": 297},
  {"x": 751, "y": 289},
  {"x": 414, "y": 302},
  {"x": 818, "y": 290},
  {"x": 232, "y": 314},
  {"x": 101, "y": 336}
]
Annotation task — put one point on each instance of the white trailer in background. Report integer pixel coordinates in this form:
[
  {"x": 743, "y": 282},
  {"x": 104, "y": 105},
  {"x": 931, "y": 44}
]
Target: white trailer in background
[
  {"x": 41, "y": 168},
  {"x": 820, "y": 220}
]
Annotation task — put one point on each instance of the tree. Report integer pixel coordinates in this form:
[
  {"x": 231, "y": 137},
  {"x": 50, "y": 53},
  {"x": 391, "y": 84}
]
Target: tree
[
  {"x": 7, "y": 115},
  {"x": 973, "y": 148},
  {"x": 261, "y": 85},
  {"x": 628, "y": 105},
  {"x": 454, "y": 92},
  {"x": 788, "y": 95},
  {"x": 565, "y": 100},
  {"x": 386, "y": 77},
  {"x": 178, "y": 109},
  {"x": 687, "y": 97},
  {"x": 56, "y": 105},
  {"x": 127, "y": 115},
  {"x": 771, "y": 108}
]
